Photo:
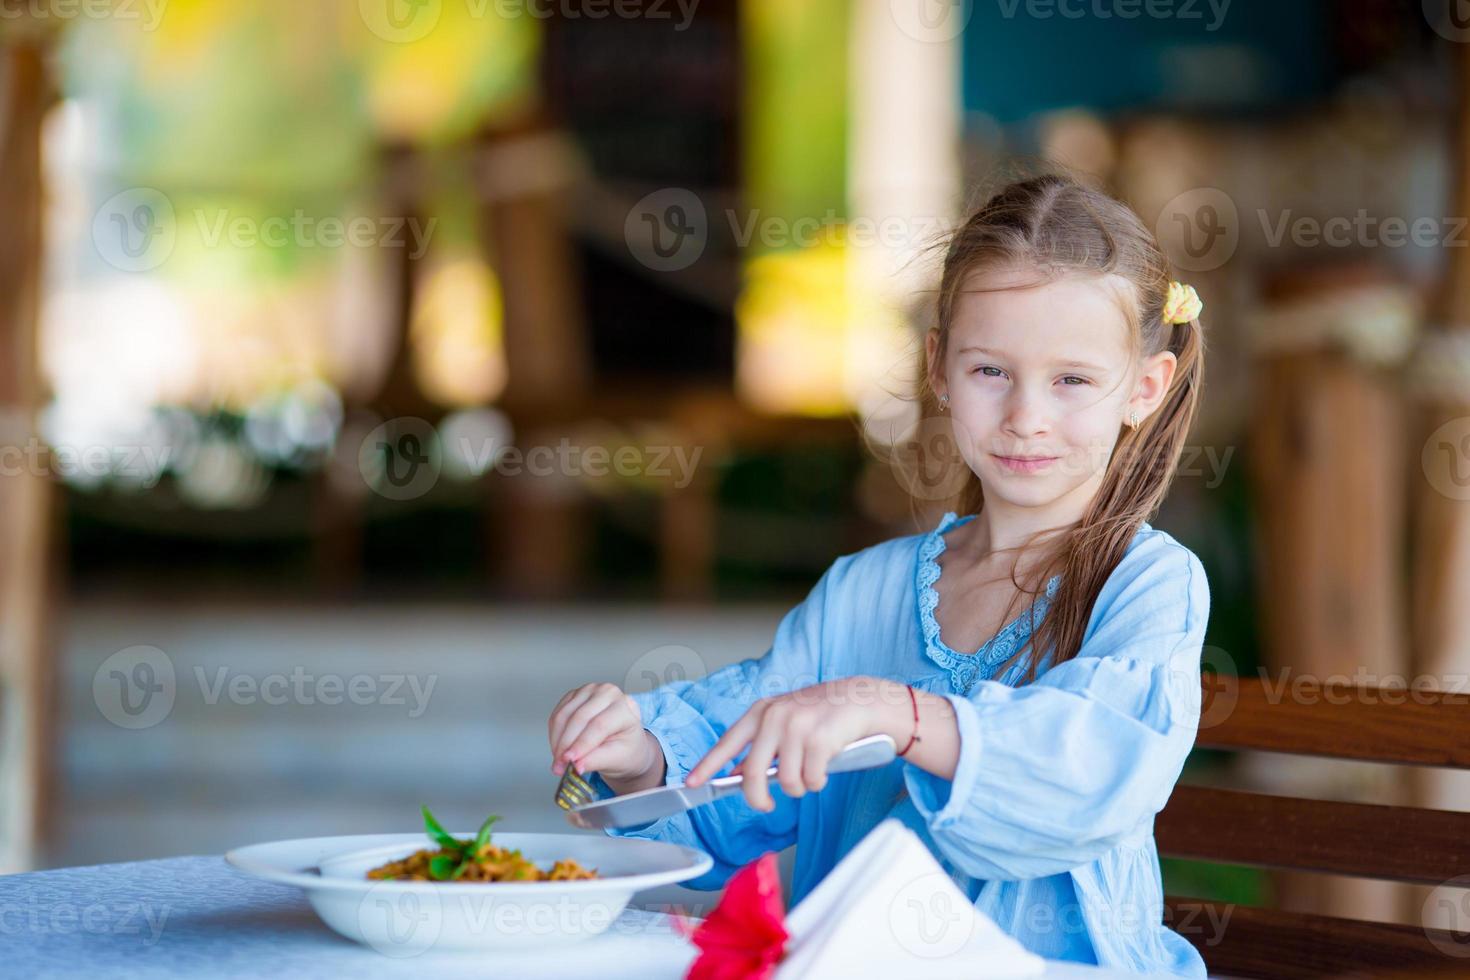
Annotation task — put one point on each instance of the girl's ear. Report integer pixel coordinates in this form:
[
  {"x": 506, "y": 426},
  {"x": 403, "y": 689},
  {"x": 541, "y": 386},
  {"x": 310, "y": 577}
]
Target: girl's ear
[{"x": 1153, "y": 383}]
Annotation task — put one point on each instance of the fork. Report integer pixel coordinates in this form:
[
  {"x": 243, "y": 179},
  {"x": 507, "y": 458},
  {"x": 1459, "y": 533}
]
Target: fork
[{"x": 574, "y": 790}]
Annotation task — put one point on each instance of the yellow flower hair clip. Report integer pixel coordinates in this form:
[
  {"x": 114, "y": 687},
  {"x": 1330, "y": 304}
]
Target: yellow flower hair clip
[{"x": 1182, "y": 304}]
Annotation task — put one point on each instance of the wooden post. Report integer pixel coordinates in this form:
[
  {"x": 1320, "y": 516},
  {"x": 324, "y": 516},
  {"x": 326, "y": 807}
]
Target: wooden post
[
  {"x": 1441, "y": 557},
  {"x": 1326, "y": 444},
  {"x": 541, "y": 533},
  {"x": 26, "y": 491}
]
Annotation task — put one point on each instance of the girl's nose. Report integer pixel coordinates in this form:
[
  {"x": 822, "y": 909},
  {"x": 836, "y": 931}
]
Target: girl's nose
[{"x": 1025, "y": 416}]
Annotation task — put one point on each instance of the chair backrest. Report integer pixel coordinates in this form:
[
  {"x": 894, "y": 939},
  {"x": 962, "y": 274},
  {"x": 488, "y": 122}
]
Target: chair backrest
[{"x": 1394, "y": 843}]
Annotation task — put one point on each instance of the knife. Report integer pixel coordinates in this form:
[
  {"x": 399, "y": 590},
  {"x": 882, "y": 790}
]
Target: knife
[{"x": 647, "y": 805}]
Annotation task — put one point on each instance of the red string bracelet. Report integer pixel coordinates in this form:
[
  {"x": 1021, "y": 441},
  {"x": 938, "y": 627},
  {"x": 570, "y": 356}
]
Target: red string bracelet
[{"x": 915, "y": 736}]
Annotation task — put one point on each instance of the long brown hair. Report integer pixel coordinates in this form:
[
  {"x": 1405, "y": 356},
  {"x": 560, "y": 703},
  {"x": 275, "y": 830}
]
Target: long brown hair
[{"x": 1059, "y": 227}]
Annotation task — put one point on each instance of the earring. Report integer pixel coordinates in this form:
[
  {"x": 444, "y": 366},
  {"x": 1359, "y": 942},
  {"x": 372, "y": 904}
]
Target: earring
[
  {"x": 944, "y": 402},
  {"x": 1133, "y": 420}
]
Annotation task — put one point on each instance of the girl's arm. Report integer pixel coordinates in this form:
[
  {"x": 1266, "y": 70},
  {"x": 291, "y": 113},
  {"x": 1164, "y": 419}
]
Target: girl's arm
[
  {"x": 655, "y": 775},
  {"x": 1031, "y": 781},
  {"x": 937, "y": 748},
  {"x": 685, "y": 719}
]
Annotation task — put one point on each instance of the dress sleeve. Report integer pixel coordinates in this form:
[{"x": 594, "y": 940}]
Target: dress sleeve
[
  {"x": 1056, "y": 773},
  {"x": 688, "y": 717}
]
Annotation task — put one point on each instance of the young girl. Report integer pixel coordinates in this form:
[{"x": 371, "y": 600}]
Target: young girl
[{"x": 1069, "y": 365}]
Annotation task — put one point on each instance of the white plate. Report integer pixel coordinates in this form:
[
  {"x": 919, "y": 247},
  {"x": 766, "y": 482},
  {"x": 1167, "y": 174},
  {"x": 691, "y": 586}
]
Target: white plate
[{"x": 406, "y": 918}]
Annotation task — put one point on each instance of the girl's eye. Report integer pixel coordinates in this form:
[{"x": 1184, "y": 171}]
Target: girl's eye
[
  {"x": 1073, "y": 379},
  {"x": 987, "y": 369}
]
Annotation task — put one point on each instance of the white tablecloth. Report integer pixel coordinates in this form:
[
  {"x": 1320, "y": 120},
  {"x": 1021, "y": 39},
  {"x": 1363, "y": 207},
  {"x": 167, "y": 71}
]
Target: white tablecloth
[{"x": 193, "y": 917}]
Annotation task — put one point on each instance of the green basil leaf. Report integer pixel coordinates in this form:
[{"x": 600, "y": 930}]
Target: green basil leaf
[
  {"x": 483, "y": 837},
  {"x": 439, "y": 834},
  {"x": 463, "y": 867},
  {"x": 441, "y": 866}
]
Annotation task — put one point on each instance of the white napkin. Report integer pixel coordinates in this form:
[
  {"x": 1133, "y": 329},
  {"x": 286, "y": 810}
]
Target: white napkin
[{"x": 889, "y": 909}]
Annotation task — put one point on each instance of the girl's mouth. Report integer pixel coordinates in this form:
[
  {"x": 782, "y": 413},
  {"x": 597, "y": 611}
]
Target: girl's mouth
[{"x": 1025, "y": 464}]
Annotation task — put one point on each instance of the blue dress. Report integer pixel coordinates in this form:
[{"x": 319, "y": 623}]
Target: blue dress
[{"x": 1048, "y": 823}]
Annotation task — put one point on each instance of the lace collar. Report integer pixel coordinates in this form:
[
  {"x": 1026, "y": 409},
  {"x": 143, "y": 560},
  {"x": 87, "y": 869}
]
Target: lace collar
[{"x": 966, "y": 668}]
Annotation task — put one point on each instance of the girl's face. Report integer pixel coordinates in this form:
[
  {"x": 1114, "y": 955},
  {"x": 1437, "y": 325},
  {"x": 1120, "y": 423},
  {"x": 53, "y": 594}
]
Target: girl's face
[{"x": 1040, "y": 381}]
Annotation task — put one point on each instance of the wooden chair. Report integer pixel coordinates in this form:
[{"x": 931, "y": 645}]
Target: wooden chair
[{"x": 1392, "y": 843}]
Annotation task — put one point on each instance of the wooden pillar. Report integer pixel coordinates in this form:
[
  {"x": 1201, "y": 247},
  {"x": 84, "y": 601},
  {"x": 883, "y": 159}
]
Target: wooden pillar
[
  {"x": 521, "y": 178},
  {"x": 544, "y": 525},
  {"x": 1440, "y": 460},
  {"x": 688, "y": 524},
  {"x": 27, "y": 495},
  {"x": 547, "y": 350},
  {"x": 1326, "y": 451},
  {"x": 689, "y": 517},
  {"x": 338, "y": 501}
]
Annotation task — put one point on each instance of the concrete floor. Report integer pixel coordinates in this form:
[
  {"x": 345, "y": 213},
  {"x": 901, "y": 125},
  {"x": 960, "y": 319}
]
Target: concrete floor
[{"x": 251, "y": 750}]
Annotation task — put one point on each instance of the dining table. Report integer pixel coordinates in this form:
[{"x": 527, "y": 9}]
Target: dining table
[{"x": 196, "y": 917}]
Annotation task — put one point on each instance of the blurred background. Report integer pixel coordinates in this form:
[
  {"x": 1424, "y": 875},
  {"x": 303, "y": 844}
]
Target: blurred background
[{"x": 373, "y": 372}]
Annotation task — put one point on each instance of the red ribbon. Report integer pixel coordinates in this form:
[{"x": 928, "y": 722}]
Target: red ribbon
[{"x": 745, "y": 936}]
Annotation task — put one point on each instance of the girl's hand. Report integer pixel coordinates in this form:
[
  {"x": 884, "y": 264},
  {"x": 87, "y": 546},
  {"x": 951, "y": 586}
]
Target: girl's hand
[
  {"x": 598, "y": 727},
  {"x": 804, "y": 730}
]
